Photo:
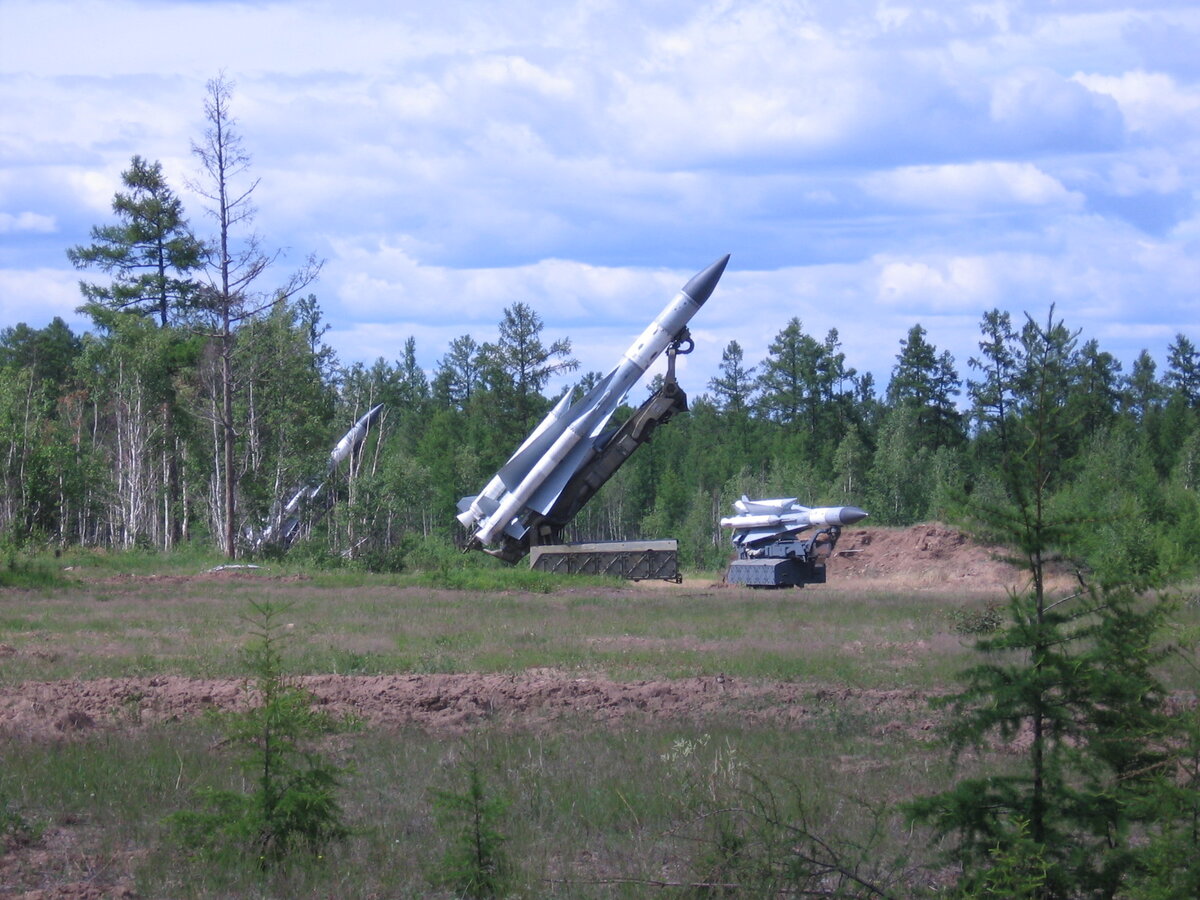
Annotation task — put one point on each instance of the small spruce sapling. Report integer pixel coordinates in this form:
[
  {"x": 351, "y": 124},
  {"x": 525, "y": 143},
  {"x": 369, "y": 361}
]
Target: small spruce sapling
[
  {"x": 475, "y": 865},
  {"x": 294, "y": 805}
]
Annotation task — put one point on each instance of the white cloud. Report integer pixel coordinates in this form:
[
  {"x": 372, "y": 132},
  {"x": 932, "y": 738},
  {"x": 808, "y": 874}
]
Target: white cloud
[
  {"x": 1037, "y": 107},
  {"x": 1151, "y": 102},
  {"x": 970, "y": 187},
  {"x": 26, "y": 221},
  {"x": 869, "y": 164},
  {"x": 36, "y": 296},
  {"x": 958, "y": 284}
]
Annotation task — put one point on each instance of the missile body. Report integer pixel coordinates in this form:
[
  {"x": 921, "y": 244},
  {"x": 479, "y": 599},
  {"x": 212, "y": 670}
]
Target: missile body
[
  {"x": 354, "y": 436},
  {"x": 535, "y": 475},
  {"x": 763, "y": 521}
]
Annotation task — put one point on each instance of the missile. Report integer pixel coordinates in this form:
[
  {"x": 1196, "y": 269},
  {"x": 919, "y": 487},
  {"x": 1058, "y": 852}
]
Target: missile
[
  {"x": 354, "y": 436},
  {"x": 535, "y": 475},
  {"x": 286, "y": 522},
  {"x": 759, "y": 521}
]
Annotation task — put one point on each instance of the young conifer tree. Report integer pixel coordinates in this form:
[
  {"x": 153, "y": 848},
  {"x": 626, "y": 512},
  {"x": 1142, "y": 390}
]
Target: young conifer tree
[{"x": 1069, "y": 683}]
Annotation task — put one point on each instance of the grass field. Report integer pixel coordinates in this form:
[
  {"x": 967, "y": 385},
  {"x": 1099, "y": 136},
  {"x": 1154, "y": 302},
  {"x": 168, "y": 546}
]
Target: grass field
[{"x": 619, "y": 725}]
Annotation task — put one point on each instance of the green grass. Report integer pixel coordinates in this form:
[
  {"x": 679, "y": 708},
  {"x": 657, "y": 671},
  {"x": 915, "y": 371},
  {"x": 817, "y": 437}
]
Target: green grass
[
  {"x": 585, "y": 803},
  {"x": 196, "y": 628},
  {"x": 18, "y": 570},
  {"x": 590, "y": 803}
]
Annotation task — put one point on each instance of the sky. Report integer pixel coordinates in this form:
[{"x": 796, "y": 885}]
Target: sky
[{"x": 869, "y": 165}]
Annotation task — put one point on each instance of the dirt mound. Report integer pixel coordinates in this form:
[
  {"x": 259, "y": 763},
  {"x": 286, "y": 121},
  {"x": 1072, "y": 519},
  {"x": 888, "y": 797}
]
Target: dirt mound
[
  {"x": 927, "y": 556},
  {"x": 446, "y": 704}
]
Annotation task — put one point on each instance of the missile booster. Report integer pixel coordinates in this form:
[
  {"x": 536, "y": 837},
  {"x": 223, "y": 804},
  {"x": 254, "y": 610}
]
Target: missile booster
[
  {"x": 285, "y": 520},
  {"x": 354, "y": 436},
  {"x": 572, "y": 435}
]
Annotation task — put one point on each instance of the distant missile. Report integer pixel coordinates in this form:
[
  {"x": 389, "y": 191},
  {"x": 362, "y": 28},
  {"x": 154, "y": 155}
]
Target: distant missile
[
  {"x": 354, "y": 436},
  {"x": 535, "y": 475},
  {"x": 759, "y": 521},
  {"x": 286, "y": 521}
]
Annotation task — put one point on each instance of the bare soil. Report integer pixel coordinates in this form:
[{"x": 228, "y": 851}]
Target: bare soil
[
  {"x": 930, "y": 556},
  {"x": 447, "y": 704}
]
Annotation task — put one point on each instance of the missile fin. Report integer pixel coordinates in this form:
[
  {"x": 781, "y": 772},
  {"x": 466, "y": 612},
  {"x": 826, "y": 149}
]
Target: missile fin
[
  {"x": 486, "y": 504},
  {"x": 514, "y": 471}
]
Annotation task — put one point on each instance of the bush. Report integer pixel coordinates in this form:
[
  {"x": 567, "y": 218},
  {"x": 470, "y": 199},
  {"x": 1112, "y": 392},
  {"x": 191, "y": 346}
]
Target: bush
[{"x": 971, "y": 620}]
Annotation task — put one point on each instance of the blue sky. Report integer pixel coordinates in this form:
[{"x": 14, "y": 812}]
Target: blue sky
[{"x": 869, "y": 165}]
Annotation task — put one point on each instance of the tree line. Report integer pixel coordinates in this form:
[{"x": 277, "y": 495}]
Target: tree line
[{"x": 205, "y": 394}]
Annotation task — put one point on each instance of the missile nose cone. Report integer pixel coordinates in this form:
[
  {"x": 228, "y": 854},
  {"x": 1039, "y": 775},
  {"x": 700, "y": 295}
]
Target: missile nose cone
[
  {"x": 701, "y": 286},
  {"x": 852, "y": 515}
]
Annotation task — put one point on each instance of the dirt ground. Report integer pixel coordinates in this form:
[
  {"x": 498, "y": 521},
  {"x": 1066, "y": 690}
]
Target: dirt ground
[
  {"x": 929, "y": 557},
  {"x": 924, "y": 557}
]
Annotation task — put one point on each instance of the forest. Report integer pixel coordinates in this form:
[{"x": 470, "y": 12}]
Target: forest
[
  {"x": 149, "y": 431},
  {"x": 202, "y": 398}
]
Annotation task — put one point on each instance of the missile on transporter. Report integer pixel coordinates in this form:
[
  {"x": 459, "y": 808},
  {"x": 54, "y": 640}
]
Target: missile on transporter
[
  {"x": 567, "y": 439},
  {"x": 763, "y": 521},
  {"x": 770, "y": 552}
]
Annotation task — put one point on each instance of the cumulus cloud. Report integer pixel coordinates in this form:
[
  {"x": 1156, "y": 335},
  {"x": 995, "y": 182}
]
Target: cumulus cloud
[
  {"x": 970, "y": 187},
  {"x": 962, "y": 284},
  {"x": 26, "y": 221},
  {"x": 36, "y": 296},
  {"x": 870, "y": 165},
  {"x": 1039, "y": 108},
  {"x": 1151, "y": 102}
]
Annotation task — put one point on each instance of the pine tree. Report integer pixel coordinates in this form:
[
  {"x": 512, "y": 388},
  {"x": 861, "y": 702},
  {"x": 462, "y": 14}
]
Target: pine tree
[
  {"x": 151, "y": 251},
  {"x": 1183, "y": 370},
  {"x": 927, "y": 382},
  {"x": 733, "y": 389}
]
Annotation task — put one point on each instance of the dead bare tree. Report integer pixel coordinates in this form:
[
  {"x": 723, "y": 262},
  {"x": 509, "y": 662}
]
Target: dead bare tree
[{"x": 236, "y": 261}]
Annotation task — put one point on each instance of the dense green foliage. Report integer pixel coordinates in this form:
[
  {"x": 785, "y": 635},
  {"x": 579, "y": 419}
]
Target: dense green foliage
[
  {"x": 1071, "y": 687},
  {"x": 113, "y": 438}
]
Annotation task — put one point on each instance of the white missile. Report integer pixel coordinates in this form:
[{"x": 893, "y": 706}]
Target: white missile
[
  {"x": 763, "y": 520},
  {"x": 535, "y": 475},
  {"x": 286, "y": 522},
  {"x": 354, "y": 436}
]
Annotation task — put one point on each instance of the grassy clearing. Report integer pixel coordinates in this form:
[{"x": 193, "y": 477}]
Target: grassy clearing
[
  {"x": 592, "y": 810},
  {"x": 196, "y": 628},
  {"x": 379, "y": 625},
  {"x": 584, "y": 805}
]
